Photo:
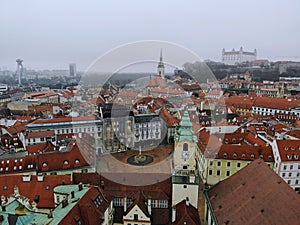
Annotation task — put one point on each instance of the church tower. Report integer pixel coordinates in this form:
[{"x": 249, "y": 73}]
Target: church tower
[
  {"x": 161, "y": 67},
  {"x": 185, "y": 179}
]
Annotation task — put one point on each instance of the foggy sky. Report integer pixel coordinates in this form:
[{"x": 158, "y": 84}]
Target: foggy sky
[{"x": 50, "y": 34}]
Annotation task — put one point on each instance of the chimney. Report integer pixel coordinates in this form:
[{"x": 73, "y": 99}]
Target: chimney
[
  {"x": 3, "y": 200},
  {"x": 64, "y": 203},
  {"x": 80, "y": 186},
  {"x": 50, "y": 215},
  {"x": 72, "y": 194},
  {"x": 173, "y": 214},
  {"x": 125, "y": 204},
  {"x": 192, "y": 179},
  {"x": 149, "y": 205},
  {"x": 187, "y": 201},
  {"x": 16, "y": 191},
  {"x": 34, "y": 204}
]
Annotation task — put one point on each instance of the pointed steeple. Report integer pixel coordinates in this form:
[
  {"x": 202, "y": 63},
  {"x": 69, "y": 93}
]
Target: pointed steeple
[{"x": 161, "y": 66}]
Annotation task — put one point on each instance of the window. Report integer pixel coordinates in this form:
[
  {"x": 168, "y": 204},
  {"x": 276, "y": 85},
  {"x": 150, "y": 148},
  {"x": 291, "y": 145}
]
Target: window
[
  {"x": 66, "y": 162},
  {"x": 184, "y": 186},
  {"x": 42, "y": 139},
  {"x": 238, "y": 164},
  {"x": 296, "y": 181},
  {"x": 228, "y": 164},
  {"x": 44, "y": 164},
  {"x": 290, "y": 174},
  {"x": 289, "y": 181},
  {"x": 227, "y": 173},
  {"x": 97, "y": 201},
  {"x": 162, "y": 204},
  {"x": 283, "y": 174},
  {"x": 218, "y": 172},
  {"x": 219, "y": 163},
  {"x": 135, "y": 216},
  {"x": 210, "y": 172},
  {"x": 284, "y": 167},
  {"x": 291, "y": 167},
  {"x": 185, "y": 147},
  {"x": 211, "y": 163},
  {"x": 117, "y": 202}
]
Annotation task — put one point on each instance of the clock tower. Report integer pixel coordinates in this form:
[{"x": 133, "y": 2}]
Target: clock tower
[{"x": 185, "y": 179}]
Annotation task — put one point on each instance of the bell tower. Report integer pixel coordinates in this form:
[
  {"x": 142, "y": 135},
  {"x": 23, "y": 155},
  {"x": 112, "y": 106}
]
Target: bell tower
[
  {"x": 161, "y": 67},
  {"x": 185, "y": 179}
]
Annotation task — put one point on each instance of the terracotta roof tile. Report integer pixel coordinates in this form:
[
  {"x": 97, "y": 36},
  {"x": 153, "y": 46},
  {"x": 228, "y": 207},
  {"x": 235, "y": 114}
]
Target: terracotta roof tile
[
  {"x": 30, "y": 189},
  {"x": 289, "y": 150},
  {"x": 255, "y": 195}
]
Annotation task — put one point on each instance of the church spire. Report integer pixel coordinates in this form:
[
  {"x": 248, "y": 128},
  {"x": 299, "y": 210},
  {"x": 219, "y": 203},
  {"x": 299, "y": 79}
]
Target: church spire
[{"x": 161, "y": 66}]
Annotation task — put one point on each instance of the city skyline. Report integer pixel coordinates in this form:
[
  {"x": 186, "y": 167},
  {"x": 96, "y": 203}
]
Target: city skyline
[{"x": 54, "y": 34}]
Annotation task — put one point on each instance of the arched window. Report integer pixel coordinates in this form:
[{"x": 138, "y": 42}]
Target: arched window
[{"x": 185, "y": 147}]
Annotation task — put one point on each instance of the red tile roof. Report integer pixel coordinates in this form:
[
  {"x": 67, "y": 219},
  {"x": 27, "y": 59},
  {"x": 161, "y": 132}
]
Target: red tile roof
[
  {"x": 40, "y": 134},
  {"x": 30, "y": 189},
  {"x": 17, "y": 127},
  {"x": 18, "y": 165},
  {"x": 276, "y": 103},
  {"x": 86, "y": 211},
  {"x": 168, "y": 117},
  {"x": 186, "y": 214},
  {"x": 42, "y": 94},
  {"x": 294, "y": 133},
  {"x": 139, "y": 201},
  {"x": 41, "y": 148},
  {"x": 289, "y": 150},
  {"x": 65, "y": 119},
  {"x": 255, "y": 195},
  {"x": 72, "y": 158}
]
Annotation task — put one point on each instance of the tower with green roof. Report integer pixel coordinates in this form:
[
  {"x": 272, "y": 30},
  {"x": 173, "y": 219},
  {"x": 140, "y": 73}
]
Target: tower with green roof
[{"x": 185, "y": 179}]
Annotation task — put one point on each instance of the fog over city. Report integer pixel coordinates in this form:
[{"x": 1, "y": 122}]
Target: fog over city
[{"x": 51, "y": 34}]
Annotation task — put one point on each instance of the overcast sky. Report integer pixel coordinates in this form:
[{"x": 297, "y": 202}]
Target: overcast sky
[{"x": 50, "y": 34}]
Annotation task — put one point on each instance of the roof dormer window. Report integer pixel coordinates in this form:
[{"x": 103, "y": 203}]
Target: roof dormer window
[
  {"x": 66, "y": 162},
  {"x": 289, "y": 157},
  {"x": 44, "y": 164}
]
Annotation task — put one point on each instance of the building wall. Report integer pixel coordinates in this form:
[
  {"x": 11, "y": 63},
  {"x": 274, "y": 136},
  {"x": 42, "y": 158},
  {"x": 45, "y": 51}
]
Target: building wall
[
  {"x": 184, "y": 191},
  {"x": 142, "y": 218}
]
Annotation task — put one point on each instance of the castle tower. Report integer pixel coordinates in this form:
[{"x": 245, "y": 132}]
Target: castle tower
[
  {"x": 161, "y": 67},
  {"x": 185, "y": 179}
]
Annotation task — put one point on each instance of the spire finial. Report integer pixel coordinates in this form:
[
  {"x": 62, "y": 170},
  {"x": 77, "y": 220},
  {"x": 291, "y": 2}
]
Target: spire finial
[{"x": 161, "y": 57}]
